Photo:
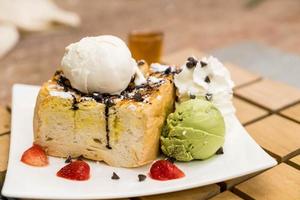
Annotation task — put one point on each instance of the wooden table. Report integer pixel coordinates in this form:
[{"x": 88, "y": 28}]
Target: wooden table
[{"x": 270, "y": 112}]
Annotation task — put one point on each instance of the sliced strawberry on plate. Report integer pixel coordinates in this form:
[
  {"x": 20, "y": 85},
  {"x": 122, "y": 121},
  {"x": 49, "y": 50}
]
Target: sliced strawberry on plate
[
  {"x": 165, "y": 170},
  {"x": 35, "y": 156},
  {"x": 77, "y": 170}
]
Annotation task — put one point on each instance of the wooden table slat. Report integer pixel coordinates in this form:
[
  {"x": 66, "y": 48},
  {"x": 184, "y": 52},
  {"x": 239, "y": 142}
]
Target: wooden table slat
[
  {"x": 241, "y": 76},
  {"x": 295, "y": 162},
  {"x": 278, "y": 135},
  {"x": 280, "y": 182},
  {"x": 292, "y": 112},
  {"x": 247, "y": 112},
  {"x": 227, "y": 195},
  {"x": 4, "y": 147},
  {"x": 4, "y": 120},
  {"x": 270, "y": 94},
  {"x": 192, "y": 194},
  {"x": 296, "y": 159},
  {"x": 226, "y": 185}
]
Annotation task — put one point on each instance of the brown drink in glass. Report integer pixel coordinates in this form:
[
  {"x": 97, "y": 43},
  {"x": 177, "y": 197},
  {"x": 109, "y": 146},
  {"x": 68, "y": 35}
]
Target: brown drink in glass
[{"x": 146, "y": 45}]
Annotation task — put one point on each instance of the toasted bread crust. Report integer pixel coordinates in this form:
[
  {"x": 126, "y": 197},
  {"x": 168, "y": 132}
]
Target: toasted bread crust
[{"x": 134, "y": 127}]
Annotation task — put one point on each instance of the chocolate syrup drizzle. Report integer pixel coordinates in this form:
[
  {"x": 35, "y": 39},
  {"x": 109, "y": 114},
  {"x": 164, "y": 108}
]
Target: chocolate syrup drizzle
[
  {"x": 132, "y": 93},
  {"x": 108, "y": 103}
]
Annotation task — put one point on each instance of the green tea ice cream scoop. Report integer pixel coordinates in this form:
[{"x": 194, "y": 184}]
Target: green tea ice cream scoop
[{"x": 195, "y": 130}]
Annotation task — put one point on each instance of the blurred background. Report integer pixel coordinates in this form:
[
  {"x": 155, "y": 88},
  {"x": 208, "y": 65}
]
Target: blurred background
[{"x": 212, "y": 26}]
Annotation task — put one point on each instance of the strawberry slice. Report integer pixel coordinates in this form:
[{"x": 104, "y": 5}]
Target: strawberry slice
[
  {"x": 165, "y": 170},
  {"x": 77, "y": 170},
  {"x": 35, "y": 156}
]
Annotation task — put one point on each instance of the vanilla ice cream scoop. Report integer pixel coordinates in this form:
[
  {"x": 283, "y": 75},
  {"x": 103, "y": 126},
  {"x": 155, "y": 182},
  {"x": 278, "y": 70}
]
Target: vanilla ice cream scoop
[{"x": 99, "y": 64}]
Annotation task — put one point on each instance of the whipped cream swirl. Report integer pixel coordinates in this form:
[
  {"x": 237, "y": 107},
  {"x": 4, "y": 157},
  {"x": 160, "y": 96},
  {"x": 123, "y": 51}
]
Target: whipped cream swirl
[{"x": 206, "y": 78}]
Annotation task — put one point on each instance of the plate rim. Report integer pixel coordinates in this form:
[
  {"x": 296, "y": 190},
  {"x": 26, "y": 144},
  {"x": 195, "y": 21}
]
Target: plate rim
[{"x": 5, "y": 191}]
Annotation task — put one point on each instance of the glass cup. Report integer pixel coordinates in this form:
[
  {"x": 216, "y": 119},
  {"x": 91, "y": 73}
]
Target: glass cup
[{"x": 146, "y": 45}]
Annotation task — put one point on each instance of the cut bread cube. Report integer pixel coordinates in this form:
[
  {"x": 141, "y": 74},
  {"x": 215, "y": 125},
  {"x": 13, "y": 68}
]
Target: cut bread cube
[{"x": 124, "y": 133}]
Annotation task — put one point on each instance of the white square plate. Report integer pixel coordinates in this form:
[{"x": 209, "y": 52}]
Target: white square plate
[{"x": 241, "y": 156}]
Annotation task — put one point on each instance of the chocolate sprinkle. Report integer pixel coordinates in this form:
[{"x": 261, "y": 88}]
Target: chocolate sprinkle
[
  {"x": 208, "y": 96},
  {"x": 191, "y": 59},
  {"x": 68, "y": 160},
  {"x": 109, "y": 102},
  {"x": 142, "y": 177},
  {"x": 74, "y": 103},
  {"x": 115, "y": 176},
  {"x": 220, "y": 151},
  {"x": 203, "y": 64},
  {"x": 170, "y": 159},
  {"x": 168, "y": 70},
  {"x": 192, "y": 96},
  {"x": 101, "y": 97},
  {"x": 97, "y": 96},
  {"x": 207, "y": 79},
  {"x": 138, "y": 97},
  {"x": 191, "y": 62},
  {"x": 80, "y": 157},
  {"x": 64, "y": 82}
]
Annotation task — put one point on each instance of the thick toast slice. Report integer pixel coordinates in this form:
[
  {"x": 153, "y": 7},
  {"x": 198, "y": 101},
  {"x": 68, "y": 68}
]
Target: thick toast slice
[{"x": 121, "y": 130}]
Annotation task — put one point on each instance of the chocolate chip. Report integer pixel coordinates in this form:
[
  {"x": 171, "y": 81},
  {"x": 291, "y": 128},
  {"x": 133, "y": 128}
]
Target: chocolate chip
[
  {"x": 172, "y": 160},
  {"x": 97, "y": 96},
  {"x": 220, "y": 151},
  {"x": 203, "y": 64},
  {"x": 109, "y": 102},
  {"x": 191, "y": 62},
  {"x": 115, "y": 176},
  {"x": 208, "y": 97},
  {"x": 207, "y": 79},
  {"x": 80, "y": 157},
  {"x": 191, "y": 59},
  {"x": 142, "y": 177},
  {"x": 192, "y": 96},
  {"x": 125, "y": 95},
  {"x": 190, "y": 65},
  {"x": 68, "y": 160},
  {"x": 64, "y": 82},
  {"x": 168, "y": 70},
  {"x": 138, "y": 97}
]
